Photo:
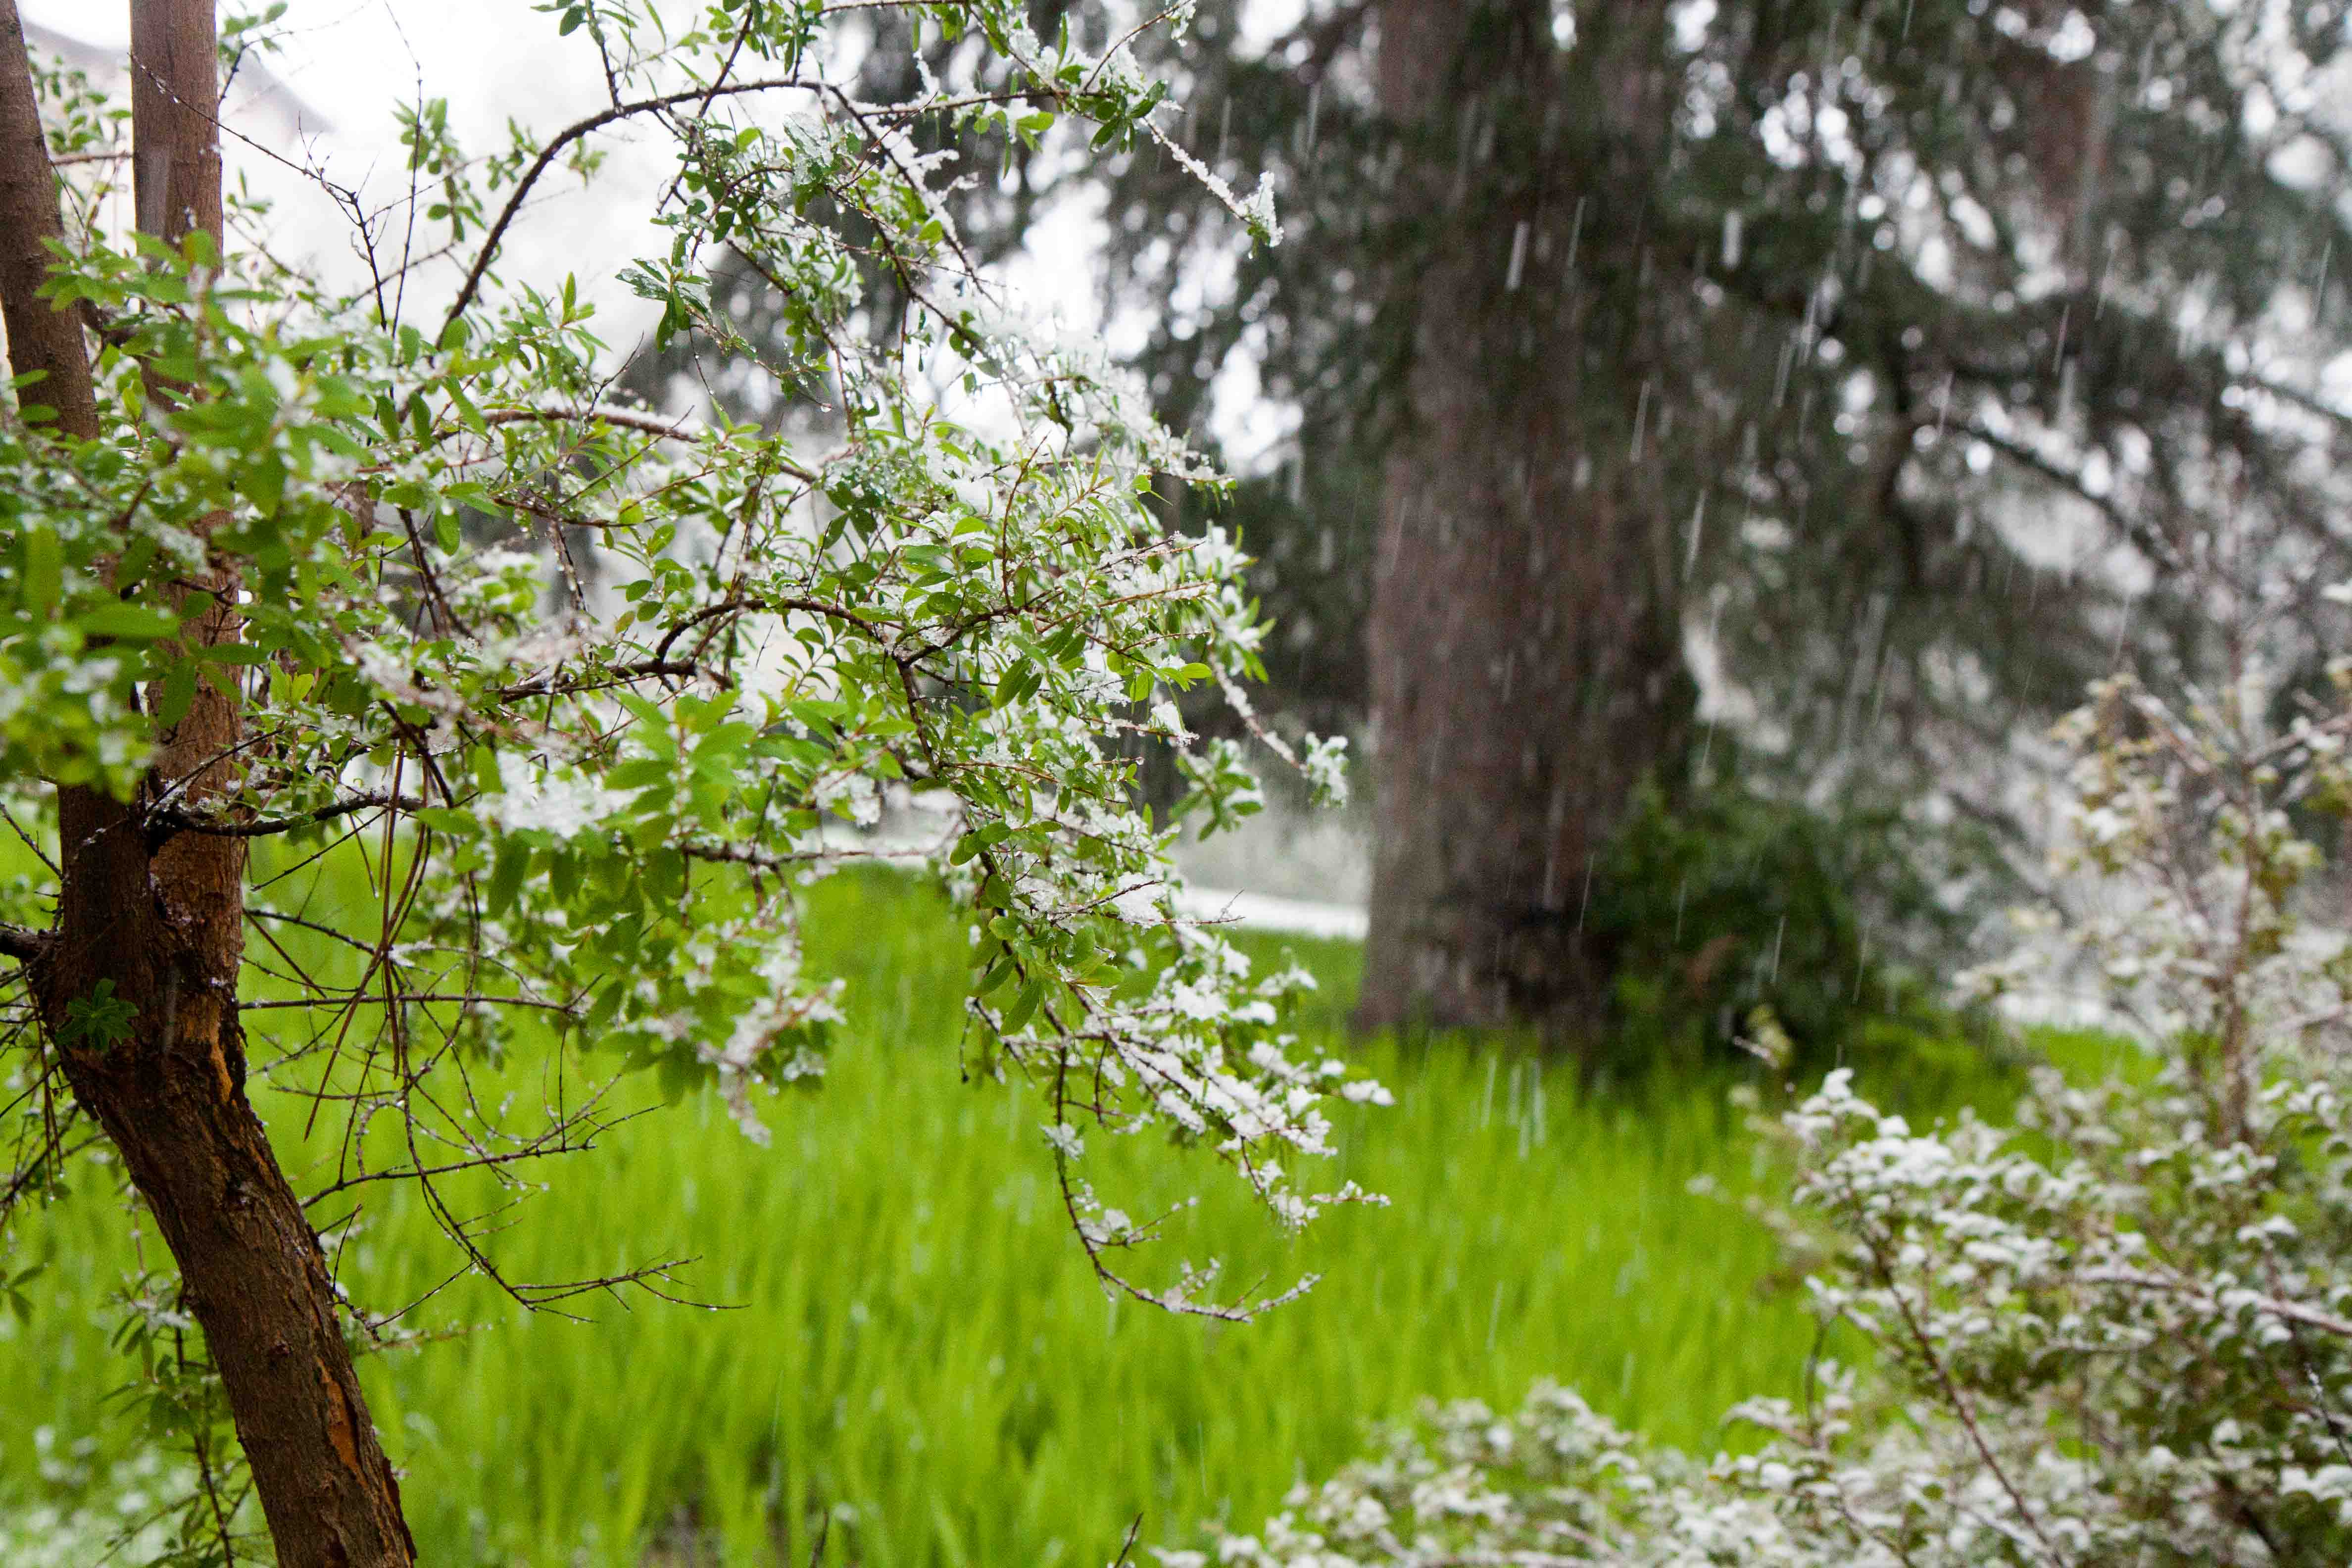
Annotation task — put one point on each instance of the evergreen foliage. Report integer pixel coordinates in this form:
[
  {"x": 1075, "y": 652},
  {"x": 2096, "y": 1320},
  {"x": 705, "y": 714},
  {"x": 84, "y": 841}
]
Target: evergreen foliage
[
  {"x": 1993, "y": 321},
  {"x": 1737, "y": 903}
]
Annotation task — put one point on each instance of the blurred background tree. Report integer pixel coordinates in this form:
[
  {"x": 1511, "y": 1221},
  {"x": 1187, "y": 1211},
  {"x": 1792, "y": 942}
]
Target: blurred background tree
[{"x": 1781, "y": 404}]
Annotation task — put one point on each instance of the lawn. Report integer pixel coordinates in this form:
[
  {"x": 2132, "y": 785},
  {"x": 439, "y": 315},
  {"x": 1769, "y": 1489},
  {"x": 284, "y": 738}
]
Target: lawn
[{"x": 911, "y": 1346}]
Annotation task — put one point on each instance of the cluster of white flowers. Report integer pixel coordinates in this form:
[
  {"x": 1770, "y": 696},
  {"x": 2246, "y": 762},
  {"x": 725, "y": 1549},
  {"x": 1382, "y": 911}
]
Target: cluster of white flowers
[
  {"x": 2121, "y": 1332},
  {"x": 123, "y": 1517},
  {"x": 957, "y": 586}
]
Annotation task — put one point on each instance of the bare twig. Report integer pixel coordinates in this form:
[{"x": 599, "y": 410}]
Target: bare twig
[
  {"x": 180, "y": 821},
  {"x": 564, "y": 138}
]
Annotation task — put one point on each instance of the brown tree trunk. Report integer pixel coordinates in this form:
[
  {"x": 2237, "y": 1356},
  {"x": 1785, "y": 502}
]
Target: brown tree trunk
[
  {"x": 160, "y": 914},
  {"x": 40, "y": 339},
  {"x": 1525, "y": 636}
]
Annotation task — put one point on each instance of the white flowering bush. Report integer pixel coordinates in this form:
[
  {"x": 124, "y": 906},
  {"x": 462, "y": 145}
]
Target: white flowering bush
[
  {"x": 2118, "y": 1332},
  {"x": 960, "y": 594},
  {"x": 296, "y": 564}
]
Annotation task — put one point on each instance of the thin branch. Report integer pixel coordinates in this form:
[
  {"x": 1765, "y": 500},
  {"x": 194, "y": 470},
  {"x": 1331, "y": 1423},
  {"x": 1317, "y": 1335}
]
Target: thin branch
[
  {"x": 618, "y": 418},
  {"x": 563, "y": 139},
  {"x": 2158, "y": 547},
  {"x": 773, "y": 607},
  {"x": 558, "y": 1140},
  {"x": 180, "y": 821},
  {"x": 619, "y": 675},
  {"x": 1127, "y": 1548},
  {"x": 2310, "y": 402},
  {"x": 254, "y": 911},
  {"x": 30, "y": 842},
  {"x": 2285, "y": 1311},
  {"x": 405, "y": 998},
  {"x": 1958, "y": 1402}
]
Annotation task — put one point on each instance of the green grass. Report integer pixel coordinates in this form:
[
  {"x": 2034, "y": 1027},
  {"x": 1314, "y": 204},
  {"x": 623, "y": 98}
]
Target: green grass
[{"x": 915, "y": 1337}]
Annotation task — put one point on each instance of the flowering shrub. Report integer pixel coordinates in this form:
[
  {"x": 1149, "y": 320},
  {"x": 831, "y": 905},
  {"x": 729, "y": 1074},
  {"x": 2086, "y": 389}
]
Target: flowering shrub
[
  {"x": 290, "y": 562},
  {"x": 2121, "y": 1331},
  {"x": 961, "y": 594}
]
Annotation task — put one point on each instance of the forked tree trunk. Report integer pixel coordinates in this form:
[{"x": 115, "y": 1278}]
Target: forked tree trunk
[
  {"x": 160, "y": 914},
  {"x": 1525, "y": 643}
]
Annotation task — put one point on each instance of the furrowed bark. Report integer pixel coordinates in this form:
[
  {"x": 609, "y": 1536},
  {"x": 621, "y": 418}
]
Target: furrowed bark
[
  {"x": 39, "y": 339},
  {"x": 159, "y": 915},
  {"x": 1525, "y": 637}
]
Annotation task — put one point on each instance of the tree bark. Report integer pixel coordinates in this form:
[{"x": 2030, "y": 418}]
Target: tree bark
[
  {"x": 159, "y": 915},
  {"x": 1525, "y": 634},
  {"x": 41, "y": 339}
]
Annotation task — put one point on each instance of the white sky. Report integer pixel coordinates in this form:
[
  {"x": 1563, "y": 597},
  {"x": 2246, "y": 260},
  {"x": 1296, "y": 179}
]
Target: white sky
[{"x": 354, "y": 61}]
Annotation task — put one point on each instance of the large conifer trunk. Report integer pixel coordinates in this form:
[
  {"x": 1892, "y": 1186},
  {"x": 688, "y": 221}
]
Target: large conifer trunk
[
  {"x": 158, "y": 914},
  {"x": 1526, "y": 645}
]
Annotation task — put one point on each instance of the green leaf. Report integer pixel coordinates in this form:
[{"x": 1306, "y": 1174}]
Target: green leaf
[
  {"x": 640, "y": 772},
  {"x": 232, "y": 653},
  {"x": 97, "y": 1022},
  {"x": 45, "y": 572},
  {"x": 998, "y": 973},
  {"x": 179, "y": 690},
  {"x": 678, "y": 1076},
  {"x": 1016, "y": 682},
  {"x": 665, "y": 874},
  {"x": 656, "y": 736},
  {"x": 127, "y": 623},
  {"x": 137, "y": 556},
  {"x": 507, "y": 873},
  {"x": 563, "y": 879},
  {"x": 602, "y": 1012}
]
